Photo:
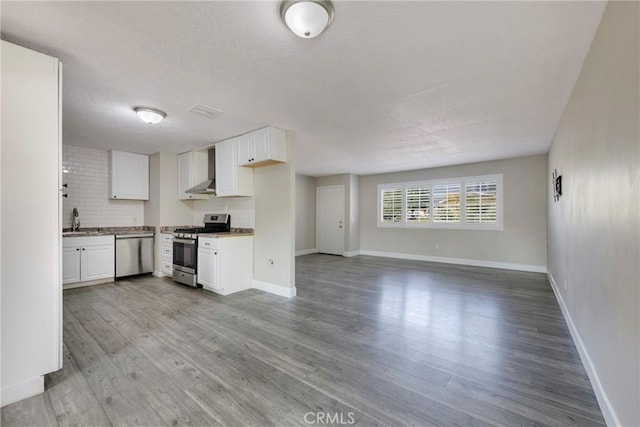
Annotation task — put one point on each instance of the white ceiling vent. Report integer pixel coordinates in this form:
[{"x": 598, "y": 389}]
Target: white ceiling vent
[{"x": 205, "y": 111}]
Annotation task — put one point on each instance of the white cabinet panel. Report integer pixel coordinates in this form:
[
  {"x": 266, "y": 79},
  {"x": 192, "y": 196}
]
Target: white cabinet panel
[
  {"x": 231, "y": 180},
  {"x": 208, "y": 268},
  {"x": 262, "y": 147},
  {"x": 245, "y": 149},
  {"x": 262, "y": 144},
  {"x": 71, "y": 265},
  {"x": 128, "y": 175},
  {"x": 166, "y": 250},
  {"x": 97, "y": 262},
  {"x": 192, "y": 170}
]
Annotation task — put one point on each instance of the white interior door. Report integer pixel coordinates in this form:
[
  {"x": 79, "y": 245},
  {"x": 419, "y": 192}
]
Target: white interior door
[{"x": 330, "y": 219}]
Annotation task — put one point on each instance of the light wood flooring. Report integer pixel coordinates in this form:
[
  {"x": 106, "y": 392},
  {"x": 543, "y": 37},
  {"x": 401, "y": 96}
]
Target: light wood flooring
[{"x": 368, "y": 341}]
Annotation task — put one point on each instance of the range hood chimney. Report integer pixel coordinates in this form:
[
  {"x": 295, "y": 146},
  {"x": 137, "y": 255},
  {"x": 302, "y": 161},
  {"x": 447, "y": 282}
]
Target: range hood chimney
[{"x": 208, "y": 186}]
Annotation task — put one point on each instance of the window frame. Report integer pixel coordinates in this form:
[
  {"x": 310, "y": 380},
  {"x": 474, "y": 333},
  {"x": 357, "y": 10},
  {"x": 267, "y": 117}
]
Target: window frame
[{"x": 463, "y": 224}]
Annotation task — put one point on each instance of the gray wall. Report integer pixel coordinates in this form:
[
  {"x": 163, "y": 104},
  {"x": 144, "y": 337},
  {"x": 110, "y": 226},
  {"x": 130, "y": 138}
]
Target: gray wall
[
  {"x": 305, "y": 213},
  {"x": 593, "y": 230},
  {"x": 523, "y": 240}
]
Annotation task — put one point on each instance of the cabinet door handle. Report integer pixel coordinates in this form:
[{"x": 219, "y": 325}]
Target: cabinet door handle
[
  {"x": 83, "y": 249},
  {"x": 77, "y": 249},
  {"x": 208, "y": 244}
]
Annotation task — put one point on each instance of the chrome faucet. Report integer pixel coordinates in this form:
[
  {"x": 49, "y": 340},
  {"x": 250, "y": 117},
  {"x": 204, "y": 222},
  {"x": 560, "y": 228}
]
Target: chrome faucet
[{"x": 76, "y": 222}]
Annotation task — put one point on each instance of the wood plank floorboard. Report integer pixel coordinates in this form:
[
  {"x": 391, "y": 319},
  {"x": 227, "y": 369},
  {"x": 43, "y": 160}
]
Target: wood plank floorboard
[{"x": 384, "y": 342}]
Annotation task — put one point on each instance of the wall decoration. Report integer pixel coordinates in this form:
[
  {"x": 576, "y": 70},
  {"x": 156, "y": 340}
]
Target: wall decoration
[{"x": 556, "y": 182}]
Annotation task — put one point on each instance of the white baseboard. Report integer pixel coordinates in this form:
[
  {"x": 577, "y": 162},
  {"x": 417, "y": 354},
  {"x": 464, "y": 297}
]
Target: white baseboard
[
  {"x": 160, "y": 274},
  {"x": 460, "y": 261},
  {"x": 350, "y": 254},
  {"x": 608, "y": 412},
  {"x": 274, "y": 289},
  {"x": 87, "y": 283},
  {"x": 22, "y": 390},
  {"x": 307, "y": 252}
]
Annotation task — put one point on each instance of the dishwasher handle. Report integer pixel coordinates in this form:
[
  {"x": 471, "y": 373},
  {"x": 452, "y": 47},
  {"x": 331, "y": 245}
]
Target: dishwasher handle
[{"x": 133, "y": 236}]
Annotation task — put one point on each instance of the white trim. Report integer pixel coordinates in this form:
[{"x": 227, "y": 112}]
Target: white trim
[
  {"x": 460, "y": 261},
  {"x": 349, "y": 254},
  {"x": 87, "y": 283},
  {"x": 22, "y": 390},
  {"x": 608, "y": 412},
  {"x": 307, "y": 252},
  {"x": 160, "y": 274},
  {"x": 272, "y": 288}
]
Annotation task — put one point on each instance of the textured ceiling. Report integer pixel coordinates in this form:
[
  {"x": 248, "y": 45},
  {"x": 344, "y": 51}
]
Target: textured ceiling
[{"x": 389, "y": 86}]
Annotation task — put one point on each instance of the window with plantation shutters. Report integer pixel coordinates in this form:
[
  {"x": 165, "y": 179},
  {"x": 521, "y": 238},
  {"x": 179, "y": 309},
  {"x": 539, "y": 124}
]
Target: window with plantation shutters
[
  {"x": 391, "y": 205},
  {"x": 463, "y": 203},
  {"x": 481, "y": 202},
  {"x": 446, "y": 203},
  {"x": 418, "y": 204}
]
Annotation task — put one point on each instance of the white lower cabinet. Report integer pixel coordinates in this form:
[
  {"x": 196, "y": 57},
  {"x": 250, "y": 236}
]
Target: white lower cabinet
[
  {"x": 86, "y": 259},
  {"x": 97, "y": 262},
  {"x": 71, "y": 264},
  {"x": 208, "y": 268},
  {"x": 166, "y": 253},
  {"x": 225, "y": 264}
]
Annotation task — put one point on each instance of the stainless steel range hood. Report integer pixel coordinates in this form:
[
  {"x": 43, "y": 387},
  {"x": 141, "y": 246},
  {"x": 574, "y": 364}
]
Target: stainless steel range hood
[{"x": 208, "y": 186}]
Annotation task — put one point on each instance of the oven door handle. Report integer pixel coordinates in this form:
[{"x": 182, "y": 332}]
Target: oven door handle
[{"x": 186, "y": 242}]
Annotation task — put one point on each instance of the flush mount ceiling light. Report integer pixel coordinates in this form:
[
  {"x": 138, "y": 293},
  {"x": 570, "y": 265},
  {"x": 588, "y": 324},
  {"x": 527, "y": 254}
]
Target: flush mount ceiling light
[
  {"x": 149, "y": 115},
  {"x": 306, "y": 18}
]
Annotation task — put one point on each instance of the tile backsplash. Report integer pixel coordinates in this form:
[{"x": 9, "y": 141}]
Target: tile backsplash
[{"x": 88, "y": 186}]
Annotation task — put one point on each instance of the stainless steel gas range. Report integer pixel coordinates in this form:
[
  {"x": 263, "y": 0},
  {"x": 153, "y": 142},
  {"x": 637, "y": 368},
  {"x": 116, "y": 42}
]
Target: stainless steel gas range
[{"x": 185, "y": 247}]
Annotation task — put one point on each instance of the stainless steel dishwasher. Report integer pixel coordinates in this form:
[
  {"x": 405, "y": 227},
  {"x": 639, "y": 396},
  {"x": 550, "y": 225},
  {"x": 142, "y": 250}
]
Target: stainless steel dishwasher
[{"x": 134, "y": 254}]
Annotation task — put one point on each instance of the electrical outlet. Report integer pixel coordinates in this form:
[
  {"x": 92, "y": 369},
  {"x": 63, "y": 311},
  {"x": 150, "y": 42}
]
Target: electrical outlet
[{"x": 271, "y": 263}]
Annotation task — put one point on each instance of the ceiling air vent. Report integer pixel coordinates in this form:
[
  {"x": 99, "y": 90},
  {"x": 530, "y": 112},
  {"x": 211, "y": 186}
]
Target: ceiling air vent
[{"x": 205, "y": 111}]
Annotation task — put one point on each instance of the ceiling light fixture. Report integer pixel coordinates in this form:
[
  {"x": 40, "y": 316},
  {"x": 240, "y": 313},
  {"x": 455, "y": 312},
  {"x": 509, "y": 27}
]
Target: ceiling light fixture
[
  {"x": 149, "y": 115},
  {"x": 306, "y": 18}
]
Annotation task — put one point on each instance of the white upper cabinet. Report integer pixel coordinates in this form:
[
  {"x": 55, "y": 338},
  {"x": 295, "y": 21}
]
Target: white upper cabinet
[
  {"x": 192, "y": 170},
  {"x": 262, "y": 147},
  {"x": 231, "y": 180},
  {"x": 128, "y": 175}
]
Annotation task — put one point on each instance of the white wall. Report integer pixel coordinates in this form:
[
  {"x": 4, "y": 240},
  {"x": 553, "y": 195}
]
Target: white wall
[
  {"x": 354, "y": 214},
  {"x": 594, "y": 229},
  {"x": 274, "y": 237},
  {"x": 31, "y": 292},
  {"x": 163, "y": 207},
  {"x": 305, "y": 213},
  {"x": 88, "y": 180},
  {"x": 163, "y": 171},
  {"x": 522, "y": 243},
  {"x": 241, "y": 210}
]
